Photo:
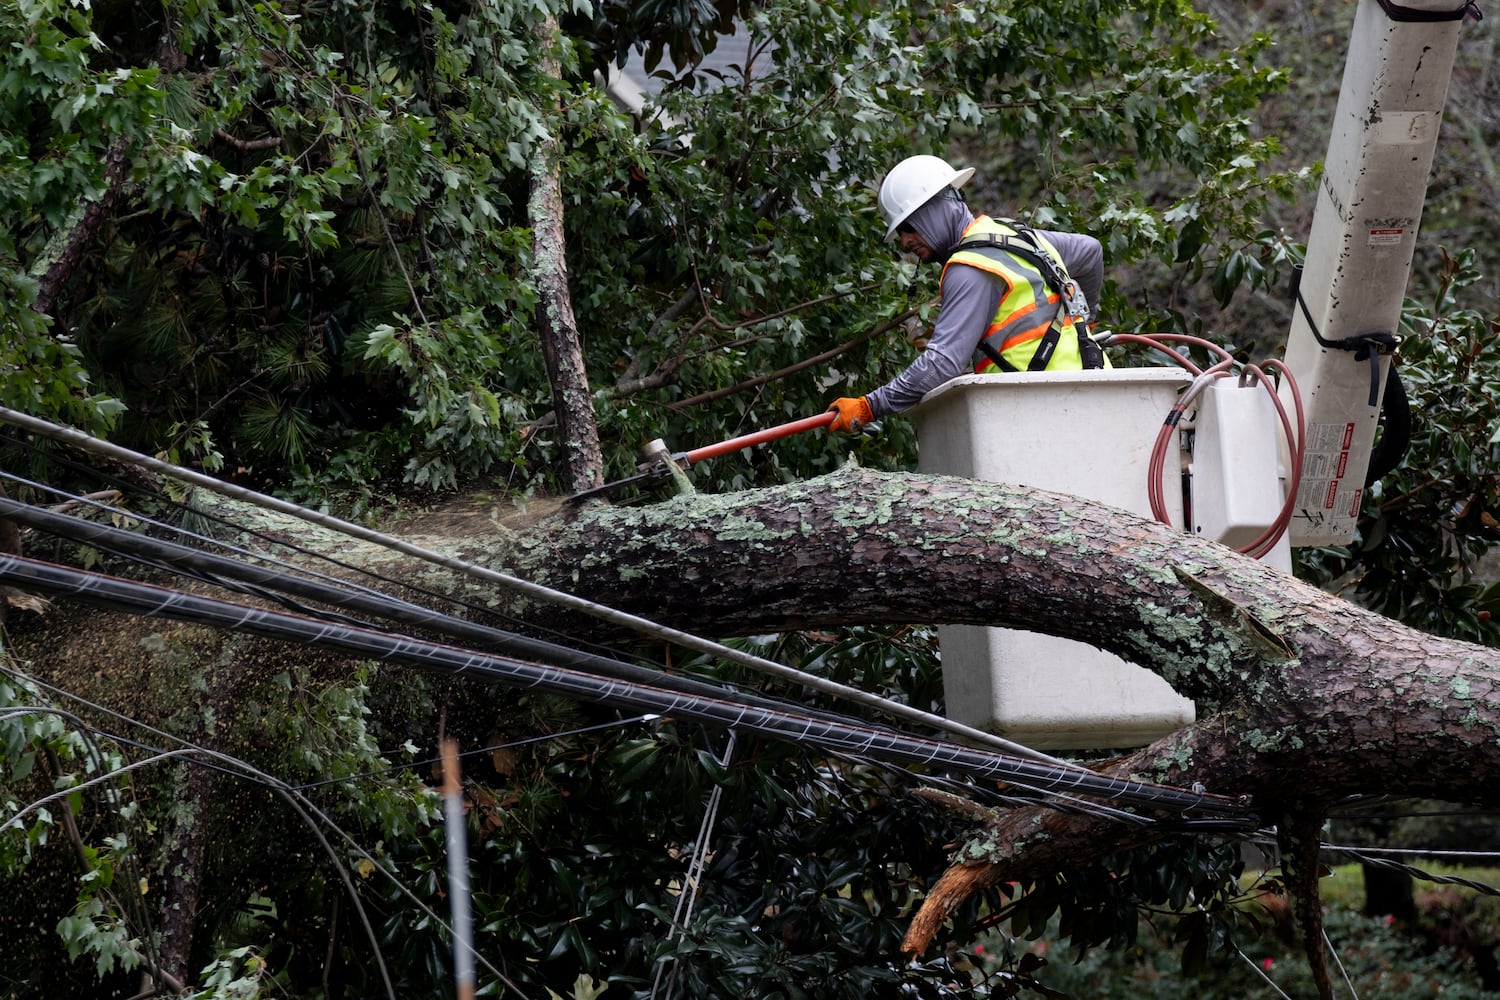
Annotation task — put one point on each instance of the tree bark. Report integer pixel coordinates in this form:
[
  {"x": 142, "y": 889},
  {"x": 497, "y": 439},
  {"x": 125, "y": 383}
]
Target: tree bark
[
  {"x": 1294, "y": 686},
  {"x": 558, "y": 329},
  {"x": 182, "y": 889},
  {"x": 63, "y": 255},
  {"x": 1303, "y": 698}
]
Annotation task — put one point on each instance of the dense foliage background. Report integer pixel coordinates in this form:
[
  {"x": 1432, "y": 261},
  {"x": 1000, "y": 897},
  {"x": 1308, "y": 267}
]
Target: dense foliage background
[{"x": 289, "y": 243}]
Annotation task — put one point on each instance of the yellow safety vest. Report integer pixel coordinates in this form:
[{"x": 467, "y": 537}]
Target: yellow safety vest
[{"x": 1027, "y": 308}]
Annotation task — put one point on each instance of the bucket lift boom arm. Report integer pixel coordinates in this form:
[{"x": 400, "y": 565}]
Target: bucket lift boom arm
[{"x": 1360, "y": 248}]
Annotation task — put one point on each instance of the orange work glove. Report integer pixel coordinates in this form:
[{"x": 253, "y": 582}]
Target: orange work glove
[{"x": 853, "y": 414}]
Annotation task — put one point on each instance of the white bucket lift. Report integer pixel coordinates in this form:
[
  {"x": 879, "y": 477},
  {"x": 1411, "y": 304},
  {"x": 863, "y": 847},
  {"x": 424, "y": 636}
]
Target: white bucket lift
[
  {"x": 1053, "y": 693},
  {"x": 1090, "y": 434}
]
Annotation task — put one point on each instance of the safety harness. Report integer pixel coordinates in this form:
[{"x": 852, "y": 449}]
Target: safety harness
[{"x": 1073, "y": 306}]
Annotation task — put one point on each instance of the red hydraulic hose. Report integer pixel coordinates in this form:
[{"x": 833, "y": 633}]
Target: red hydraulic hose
[
  {"x": 1293, "y": 432},
  {"x": 758, "y": 437}
]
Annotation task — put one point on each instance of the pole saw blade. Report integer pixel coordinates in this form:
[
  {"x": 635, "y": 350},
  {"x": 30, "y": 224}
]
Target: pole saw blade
[
  {"x": 659, "y": 469},
  {"x": 647, "y": 477}
]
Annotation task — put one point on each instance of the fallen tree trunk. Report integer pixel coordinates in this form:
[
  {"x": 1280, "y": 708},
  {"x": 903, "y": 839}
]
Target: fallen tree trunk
[
  {"x": 1303, "y": 698},
  {"x": 1282, "y": 673}
]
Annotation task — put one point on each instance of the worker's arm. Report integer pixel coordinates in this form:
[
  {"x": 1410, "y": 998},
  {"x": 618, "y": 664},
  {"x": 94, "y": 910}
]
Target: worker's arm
[
  {"x": 970, "y": 300},
  {"x": 1083, "y": 256}
]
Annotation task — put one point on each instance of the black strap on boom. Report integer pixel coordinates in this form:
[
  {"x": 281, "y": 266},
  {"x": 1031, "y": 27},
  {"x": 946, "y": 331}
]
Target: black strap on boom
[
  {"x": 1399, "y": 12},
  {"x": 1396, "y": 413}
]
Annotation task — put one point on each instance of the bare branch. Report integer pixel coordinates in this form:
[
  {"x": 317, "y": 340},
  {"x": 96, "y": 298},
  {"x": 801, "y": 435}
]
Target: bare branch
[
  {"x": 66, "y": 249},
  {"x": 248, "y": 145}
]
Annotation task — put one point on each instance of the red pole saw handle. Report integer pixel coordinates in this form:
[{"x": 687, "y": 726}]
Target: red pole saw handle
[{"x": 769, "y": 434}]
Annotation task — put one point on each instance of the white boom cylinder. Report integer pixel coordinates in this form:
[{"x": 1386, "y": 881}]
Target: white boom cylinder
[{"x": 1360, "y": 248}]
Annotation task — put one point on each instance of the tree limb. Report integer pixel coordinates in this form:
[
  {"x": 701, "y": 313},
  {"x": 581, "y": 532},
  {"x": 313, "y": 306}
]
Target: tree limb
[
  {"x": 248, "y": 145},
  {"x": 558, "y": 329},
  {"x": 1302, "y": 697},
  {"x": 66, "y": 250}
]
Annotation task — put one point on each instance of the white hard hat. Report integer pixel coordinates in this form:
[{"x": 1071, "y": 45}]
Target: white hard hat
[{"x": 912, "y": 183}]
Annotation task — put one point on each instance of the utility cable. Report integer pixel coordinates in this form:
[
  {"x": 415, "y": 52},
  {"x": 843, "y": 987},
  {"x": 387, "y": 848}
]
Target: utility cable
[
  {"x": 219, "y": 570},
  {"x": 535, "y": 591},
  {"x": 1259, "y": 971},
  {"x": 1422, "y": 852},
  {"x": 209, "y": 567},
  {"x": 1039, "y": 798},
  {"x": 188, "y": 750},
  {"x": 244, "y": 771},
  {"x": 1328, "y": 943},
  {"x": 128, "y": 901},
  {"x": 136, "y": 598},
  {"x": 181, "y": 558},
  {"x": 1370, "y": 858},
  {"x": 105, "y": 778},
  {"x": 202, "y": 540}
]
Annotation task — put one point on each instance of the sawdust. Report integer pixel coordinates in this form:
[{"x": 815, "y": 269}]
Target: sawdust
[{"x": 476, "y": 514}]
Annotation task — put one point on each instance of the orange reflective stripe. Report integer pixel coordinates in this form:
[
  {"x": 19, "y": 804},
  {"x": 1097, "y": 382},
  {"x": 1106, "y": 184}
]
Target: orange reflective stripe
[
  {"x": 1003, "y": 321},
  {"x": 1014, "y": 340},
  {"x": 1025, "y": 336}
]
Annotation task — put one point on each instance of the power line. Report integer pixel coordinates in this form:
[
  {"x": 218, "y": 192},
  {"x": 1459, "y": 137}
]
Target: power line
[
  {"x": 242, "y": 577},
  {"x": 213, "y": 569},
  {"x": 1377, "y": 857},
  {"x": 203, "y": 542},
  {"x": 202, "y": 756},
  {"x": 1419, "y": 852},
  {"x": 822, "y": 732},
  {"x": 77, "y": 438}
]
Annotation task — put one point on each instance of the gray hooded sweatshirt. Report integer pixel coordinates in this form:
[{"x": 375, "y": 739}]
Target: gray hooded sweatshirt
[{"x": 970, "y": 298}]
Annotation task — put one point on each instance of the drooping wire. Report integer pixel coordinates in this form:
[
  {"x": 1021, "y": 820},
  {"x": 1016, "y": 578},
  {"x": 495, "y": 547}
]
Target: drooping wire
[
  {"x": 526, "y": 588},
  {"x": 201, "y": 540},
  {"x": 1423, "y": 852},
  {"x": 111, "y": 539},
  {"x": 109, "y": 776},
  {"x": 188, "y": 750},
  {"x": 240, "y": 577},
  {"x": 1373, "y": 856},
  {"x": 1037, "y": 796},
  {"x": 1364, "y": 806},
  {"x": 197, "y": 755},
  {"x": 1328, "y": 943},
  {"x": 129, "y": 901},
  {"x": 195, "y": 563},
  {"x": 137, "y": 598},
  {"x": 1259, "y": 971}
]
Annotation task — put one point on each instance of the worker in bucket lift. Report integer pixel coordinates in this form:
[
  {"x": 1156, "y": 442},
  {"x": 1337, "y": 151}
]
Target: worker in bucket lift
[{"x": 1012, "y": 298}]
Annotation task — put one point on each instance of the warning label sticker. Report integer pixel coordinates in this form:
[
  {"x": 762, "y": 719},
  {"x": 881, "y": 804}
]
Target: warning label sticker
[
  {"x": 1325, "y": 503},
  {"x": 1385, "y": 237}
]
